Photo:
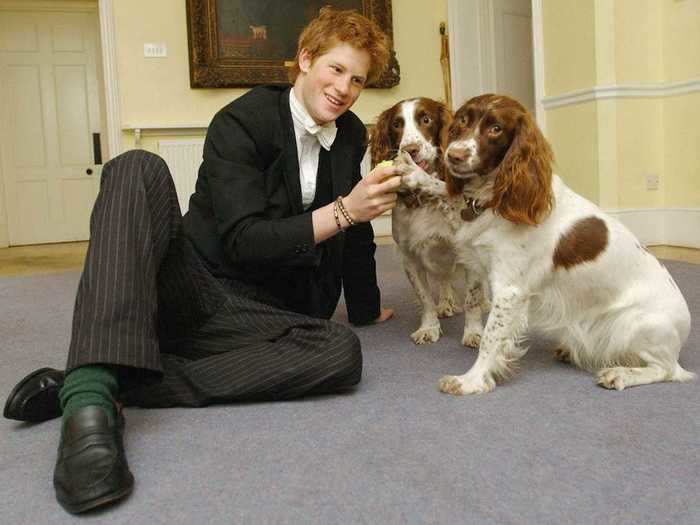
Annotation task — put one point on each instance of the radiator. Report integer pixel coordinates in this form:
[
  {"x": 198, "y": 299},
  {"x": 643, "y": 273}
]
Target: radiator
[{"x": 183, "y": 157}]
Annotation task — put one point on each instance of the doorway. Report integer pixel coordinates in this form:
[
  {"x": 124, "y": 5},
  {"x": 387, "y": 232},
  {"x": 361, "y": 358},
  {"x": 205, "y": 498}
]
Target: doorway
[
  {"x": 51, "y": 126},
  {"x": 491, "y": 49}
]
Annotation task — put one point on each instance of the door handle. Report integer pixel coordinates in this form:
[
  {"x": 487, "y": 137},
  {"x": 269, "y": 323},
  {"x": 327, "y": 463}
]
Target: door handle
[{"x": 96, "y": 148}]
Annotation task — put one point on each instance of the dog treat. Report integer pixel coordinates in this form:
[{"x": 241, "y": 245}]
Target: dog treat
[{"x": 385, "y": 163}]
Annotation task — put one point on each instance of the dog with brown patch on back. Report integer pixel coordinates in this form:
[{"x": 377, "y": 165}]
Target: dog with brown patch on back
[
  {"x": 412, "y": 129},
  {"x": 555, "y": 262}
]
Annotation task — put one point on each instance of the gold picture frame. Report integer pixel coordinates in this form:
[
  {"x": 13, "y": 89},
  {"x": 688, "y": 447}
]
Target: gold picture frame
[{"x": 238, "y": 43}]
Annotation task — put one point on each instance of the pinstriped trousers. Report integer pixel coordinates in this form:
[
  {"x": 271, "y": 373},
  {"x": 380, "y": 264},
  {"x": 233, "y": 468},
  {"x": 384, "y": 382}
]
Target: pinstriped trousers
[{"x": 178, "y": 336}]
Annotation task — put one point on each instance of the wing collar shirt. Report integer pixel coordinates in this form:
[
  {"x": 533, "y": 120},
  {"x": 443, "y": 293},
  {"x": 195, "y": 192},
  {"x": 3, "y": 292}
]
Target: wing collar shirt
[{"x": 310, "y": 137}]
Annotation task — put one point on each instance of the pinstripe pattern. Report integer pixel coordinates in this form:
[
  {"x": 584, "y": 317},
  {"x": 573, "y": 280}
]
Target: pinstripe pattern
[{"x": 146, "y": 302}]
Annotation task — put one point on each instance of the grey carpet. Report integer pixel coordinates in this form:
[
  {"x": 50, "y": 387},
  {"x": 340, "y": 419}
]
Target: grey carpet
[{"x": 548, "y": 447}]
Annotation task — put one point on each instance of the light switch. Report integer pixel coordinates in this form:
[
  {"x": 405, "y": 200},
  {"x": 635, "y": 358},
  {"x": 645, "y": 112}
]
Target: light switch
[
  {"x": 155, "y": 50},
  {"x": 652, "y": 182}
]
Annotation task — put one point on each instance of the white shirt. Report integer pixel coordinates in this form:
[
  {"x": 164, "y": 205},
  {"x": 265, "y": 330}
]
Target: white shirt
[{"x": 308, "y": 147}]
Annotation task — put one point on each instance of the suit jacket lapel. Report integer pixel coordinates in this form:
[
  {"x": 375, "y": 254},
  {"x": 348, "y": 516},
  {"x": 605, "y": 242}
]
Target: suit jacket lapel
[
  {"x": 291, "y": 160},
  {"x": 341, "y": 166}
]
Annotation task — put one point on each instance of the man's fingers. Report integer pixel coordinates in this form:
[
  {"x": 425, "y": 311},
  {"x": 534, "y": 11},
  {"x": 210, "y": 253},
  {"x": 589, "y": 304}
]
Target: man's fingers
[
  {"x": 381, "y": 208},
  {"x": 378, "y": 174},
  {"x": 388, "y": 186}
]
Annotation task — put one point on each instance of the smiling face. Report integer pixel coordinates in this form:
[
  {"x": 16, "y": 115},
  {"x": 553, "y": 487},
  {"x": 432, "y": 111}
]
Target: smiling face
[
  {"x": 329, "y": 85},
  {"x": 480, "y": 135}
]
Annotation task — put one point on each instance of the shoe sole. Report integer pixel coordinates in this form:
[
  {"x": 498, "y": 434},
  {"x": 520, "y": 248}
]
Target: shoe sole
[
  {"x": 98, "y": 502},
  {"x": 10, "y": 406}
]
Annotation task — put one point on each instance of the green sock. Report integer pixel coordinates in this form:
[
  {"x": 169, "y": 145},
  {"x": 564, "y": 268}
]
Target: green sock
[{"x": 93, "y": 385}]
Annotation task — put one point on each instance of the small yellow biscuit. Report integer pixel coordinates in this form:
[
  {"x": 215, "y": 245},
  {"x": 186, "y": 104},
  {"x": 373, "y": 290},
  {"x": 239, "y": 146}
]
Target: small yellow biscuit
[{"x": 385, "y": 163}]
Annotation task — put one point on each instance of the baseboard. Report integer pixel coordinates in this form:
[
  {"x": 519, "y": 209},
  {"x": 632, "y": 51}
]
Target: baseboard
[
  {"x": 667, "y": 226},
  {"x": 652, "y": 226}
]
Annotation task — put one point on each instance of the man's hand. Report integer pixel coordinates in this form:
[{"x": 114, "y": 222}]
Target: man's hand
[
  {"x": 374, "y": 194},
  {"x": 384, "y": 315}
]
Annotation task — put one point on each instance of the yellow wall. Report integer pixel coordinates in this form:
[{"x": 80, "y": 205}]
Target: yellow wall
[
  {"x": 681, "y": 33},
  {"x": 573, "y": 134},
  {"x": 640, "y": 148},
  {"x": 682, "y": 152},
  {"x": 156, "y": 92},
  {"x": 606, "y": 147},
  {"x": 569, "y": 50},
  {"x": 638, "y": 35}
]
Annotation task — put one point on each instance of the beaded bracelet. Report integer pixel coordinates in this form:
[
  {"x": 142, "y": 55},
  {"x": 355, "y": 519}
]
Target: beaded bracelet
[
  {"x": 337, "y": 219},
  {"x": 345, "y": 213}
]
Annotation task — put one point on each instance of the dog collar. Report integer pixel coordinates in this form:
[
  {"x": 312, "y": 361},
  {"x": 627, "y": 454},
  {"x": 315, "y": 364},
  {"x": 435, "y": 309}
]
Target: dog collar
[{"x": 472, "y": 211}]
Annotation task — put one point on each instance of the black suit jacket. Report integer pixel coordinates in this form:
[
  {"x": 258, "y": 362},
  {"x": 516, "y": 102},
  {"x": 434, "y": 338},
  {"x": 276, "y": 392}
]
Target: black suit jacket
[{"x": 246, "y": 217}]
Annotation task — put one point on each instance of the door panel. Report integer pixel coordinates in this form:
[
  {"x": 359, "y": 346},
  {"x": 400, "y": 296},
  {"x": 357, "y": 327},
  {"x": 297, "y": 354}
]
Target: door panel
[{"x": 72, "y": 116}]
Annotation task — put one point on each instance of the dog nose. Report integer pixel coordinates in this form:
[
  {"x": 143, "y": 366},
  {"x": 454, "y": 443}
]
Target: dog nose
[
  {"x": 457, "y": 155},
  {"x": 411, "y": 149}
]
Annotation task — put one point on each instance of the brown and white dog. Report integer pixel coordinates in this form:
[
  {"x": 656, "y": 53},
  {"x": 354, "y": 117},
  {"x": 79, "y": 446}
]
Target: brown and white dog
[
  {"x": 555, "y": 262},
  {"x": 413, "y": 128}
]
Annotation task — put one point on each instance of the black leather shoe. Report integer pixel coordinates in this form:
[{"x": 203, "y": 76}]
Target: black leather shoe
[
  {"x": 35, "y": 398},
  {"x": 91, "y": 469}
]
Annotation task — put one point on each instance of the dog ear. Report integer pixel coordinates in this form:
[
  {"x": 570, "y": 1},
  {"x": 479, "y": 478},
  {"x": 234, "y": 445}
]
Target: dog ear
[
  {"x": 445, "y": 117},
  {"x": 453, "y": 185},
  {"x": 380, "y": 138},
  {"x": 523, "y": 185}
]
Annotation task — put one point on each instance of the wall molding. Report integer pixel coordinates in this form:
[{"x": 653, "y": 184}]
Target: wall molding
[
  {"x": 582, "y": 96},
  {"x": 666, "y": 226}
]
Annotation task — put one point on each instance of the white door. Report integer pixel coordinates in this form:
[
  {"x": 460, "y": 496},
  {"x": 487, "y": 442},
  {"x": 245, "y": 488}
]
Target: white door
[
  {"x": 512, "y": 27},
  {"x": 49, "y": 111}
]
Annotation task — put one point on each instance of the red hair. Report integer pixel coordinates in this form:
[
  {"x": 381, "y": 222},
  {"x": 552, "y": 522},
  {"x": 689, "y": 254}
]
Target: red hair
[{"x": 333, "y": 27}]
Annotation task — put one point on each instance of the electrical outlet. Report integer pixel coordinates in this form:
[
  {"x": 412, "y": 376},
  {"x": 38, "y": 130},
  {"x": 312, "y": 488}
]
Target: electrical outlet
[
  {"x": 157, "y": 50},
  {"x": 652, "y": 182}
]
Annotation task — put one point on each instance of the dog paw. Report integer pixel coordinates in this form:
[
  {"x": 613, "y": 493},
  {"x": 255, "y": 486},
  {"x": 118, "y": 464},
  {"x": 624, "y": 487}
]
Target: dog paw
[
  {"x": 411, "y": 179},
  {"x": 471, "y": 339},
  {"x": 613, "y": 378},
  {"x": 463, "y": 385},
  {"x": 426, "y": 335},
  {"x": 563, "y": 355}
]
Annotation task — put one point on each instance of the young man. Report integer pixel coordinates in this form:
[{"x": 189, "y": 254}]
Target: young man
[{"x": 232, "y": 302}]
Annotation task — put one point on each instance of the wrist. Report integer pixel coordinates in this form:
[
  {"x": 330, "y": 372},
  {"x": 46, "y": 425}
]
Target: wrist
[
  {"x": 342, "y": 209},
  {"x": 340, "y": 221}
]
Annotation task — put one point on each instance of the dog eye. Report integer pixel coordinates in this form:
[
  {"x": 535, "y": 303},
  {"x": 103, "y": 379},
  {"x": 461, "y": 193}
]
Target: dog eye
[
  {"x": 426, "y": 119},
  {"x": 397, "y": 124},
  {"x": 496, "y": 129}
]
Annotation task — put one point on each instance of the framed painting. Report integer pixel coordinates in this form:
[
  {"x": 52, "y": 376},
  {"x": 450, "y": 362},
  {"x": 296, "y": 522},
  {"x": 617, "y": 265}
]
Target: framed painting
[{"x": 236, "y": 43}]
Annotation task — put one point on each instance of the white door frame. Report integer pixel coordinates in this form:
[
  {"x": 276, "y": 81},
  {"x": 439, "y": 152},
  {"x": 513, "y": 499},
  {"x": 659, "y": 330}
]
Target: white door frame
[
  {"x": 471, "y": 29},
  {"x": 111, "y": 80}
]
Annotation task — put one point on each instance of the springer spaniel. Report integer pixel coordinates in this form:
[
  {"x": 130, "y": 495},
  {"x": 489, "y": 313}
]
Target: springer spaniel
[
  {"x": 413, "y": 128},
  {"x": 554, "y": 260}
]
